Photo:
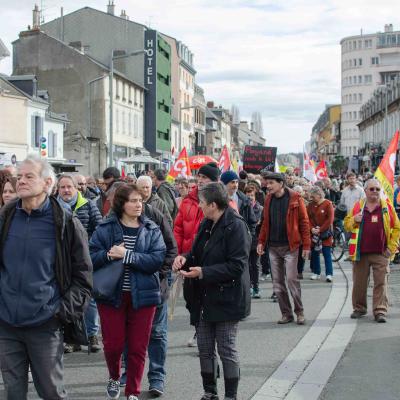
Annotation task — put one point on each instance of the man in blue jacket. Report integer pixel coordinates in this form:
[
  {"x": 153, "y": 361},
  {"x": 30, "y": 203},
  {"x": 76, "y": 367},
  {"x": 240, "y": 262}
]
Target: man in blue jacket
[{"x": 45, "y": 283}]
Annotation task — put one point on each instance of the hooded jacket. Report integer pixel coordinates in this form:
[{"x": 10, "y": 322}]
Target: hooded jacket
[
  {"x": 72, "y": 268},
  {"x": 223, "y": 293},
  {"x": 187, "y": 221},
  {"x": 148, "y": 258},
  {"x": 167, "y": 194}
]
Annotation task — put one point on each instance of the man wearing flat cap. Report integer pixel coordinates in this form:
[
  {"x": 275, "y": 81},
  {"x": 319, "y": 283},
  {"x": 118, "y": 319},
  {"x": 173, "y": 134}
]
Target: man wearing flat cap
[{"x": 285, "y": 227}]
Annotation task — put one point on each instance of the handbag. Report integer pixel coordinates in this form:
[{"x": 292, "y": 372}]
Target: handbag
[
  {"x": 325, "y": 235},
  {"x": 107, "y": 279},
  {"x": 75, "y": 332}
]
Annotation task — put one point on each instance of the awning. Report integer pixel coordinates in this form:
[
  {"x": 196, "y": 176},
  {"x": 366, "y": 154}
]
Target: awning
[{"x": 140, "y": 159}]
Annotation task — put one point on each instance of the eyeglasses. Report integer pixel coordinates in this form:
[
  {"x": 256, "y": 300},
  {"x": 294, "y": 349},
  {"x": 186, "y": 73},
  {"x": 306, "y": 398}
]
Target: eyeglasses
[{"x": 374, "y": 189}]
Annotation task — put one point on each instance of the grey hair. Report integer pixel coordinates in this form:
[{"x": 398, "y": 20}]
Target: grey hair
[
  {"x": 215, "y": 192},
  {"x": 46, "y": 170},
  {"x": 317, "y": 190},
  {"x": 368, "y": 181},
  {"x": 298, "y": 189},
  {"x": 144, "y": 179},
  {"x": 67, "y": 176}
]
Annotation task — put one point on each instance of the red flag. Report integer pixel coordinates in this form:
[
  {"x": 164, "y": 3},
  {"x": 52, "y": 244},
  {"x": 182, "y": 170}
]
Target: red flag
[
  {"x": 385, "y": 172},
  {"x": 181, "y": 167},
  {"x": 224, "y": 163},
  {"x": 123, "y": 175},
  {"x": 321, "y": 171}
]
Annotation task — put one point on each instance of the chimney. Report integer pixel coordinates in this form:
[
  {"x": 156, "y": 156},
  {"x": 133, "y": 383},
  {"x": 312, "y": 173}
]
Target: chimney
[
  {"x": 210, "y": 104},
  {"x": 388, "y": 28},
  {"x": 36, "y": 18},
  {"x": 252, "y": 126},
  {"x": 123, "y": 14},
  {"x": 111, "y": 7}
]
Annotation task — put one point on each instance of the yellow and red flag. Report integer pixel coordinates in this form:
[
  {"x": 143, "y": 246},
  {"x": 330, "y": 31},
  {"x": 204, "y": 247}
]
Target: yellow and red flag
[
  {"x": 385, "y": 171},
  {"x": 180, "y": 168},
  {"x": 224, "y": 163},
  {"x": 321, "y": 171}
]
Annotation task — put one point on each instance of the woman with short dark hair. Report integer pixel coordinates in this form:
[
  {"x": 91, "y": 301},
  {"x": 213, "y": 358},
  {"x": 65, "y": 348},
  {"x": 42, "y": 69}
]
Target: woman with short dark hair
[
  {"x": 218, "y": 293},
  {"x": 132, "y": 244},
  {"x": 8, "y": 191}
]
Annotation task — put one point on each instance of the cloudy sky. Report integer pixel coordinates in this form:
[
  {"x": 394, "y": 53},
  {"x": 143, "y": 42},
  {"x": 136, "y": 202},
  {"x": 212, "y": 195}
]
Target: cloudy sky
[{"x": 281, "y": 58}]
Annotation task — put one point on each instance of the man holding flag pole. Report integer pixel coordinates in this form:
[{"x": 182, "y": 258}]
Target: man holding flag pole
[{"x": 375, "y": 232}]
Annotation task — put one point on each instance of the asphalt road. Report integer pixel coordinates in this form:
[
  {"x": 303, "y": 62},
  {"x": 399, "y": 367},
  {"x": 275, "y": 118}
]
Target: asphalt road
[{"x": 262, "y": 343}]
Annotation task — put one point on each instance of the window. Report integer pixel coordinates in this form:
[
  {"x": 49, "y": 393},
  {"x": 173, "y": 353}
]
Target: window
[
  {"x": 130, "y": 124},
  {"x": 354, "y": 98},
  {"x": 374, "y": 60},
  {"x": 360, "y": 62},
  {"x": 36, "y": 130},
  {"x": 359, "y": 79},
  {"x": 123, "y": 91},
  {"x": 52, "y": 144},
  {"x": 117, "y": 121},
  {"x": 360, "y": 97},
  {"x": 116, "y": 89},
  {"x": 367, "y": 79},
  {"x": 129, "y": 95},
  {"x": 135, "y": 126},
  {"x": 123, "y": 123},
  {"x": 354, "y": 114}
]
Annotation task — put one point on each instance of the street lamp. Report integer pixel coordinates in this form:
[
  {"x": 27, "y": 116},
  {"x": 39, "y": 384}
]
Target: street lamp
[{"x": 135, "y": 53}]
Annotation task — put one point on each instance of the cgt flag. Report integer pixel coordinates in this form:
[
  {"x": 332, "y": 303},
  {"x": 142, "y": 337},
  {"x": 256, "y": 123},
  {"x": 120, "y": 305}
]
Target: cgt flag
[
  {"x": 385, "y": 171},
  {"x": 308, "y": 168},
  {"x": 321, "y": 171},
  {"x": 180, "y": 168},
  {"x": 224, "y": 163}
]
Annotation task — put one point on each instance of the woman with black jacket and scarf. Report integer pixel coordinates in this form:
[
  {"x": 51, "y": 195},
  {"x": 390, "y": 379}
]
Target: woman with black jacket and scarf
[{"x": 218, "y": 291}]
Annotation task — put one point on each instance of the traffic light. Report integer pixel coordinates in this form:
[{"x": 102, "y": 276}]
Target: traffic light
[{"x": 43, "y": 147}]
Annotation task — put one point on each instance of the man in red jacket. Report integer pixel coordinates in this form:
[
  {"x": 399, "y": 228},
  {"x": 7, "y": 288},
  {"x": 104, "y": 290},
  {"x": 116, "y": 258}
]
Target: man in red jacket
[
  {"x": 190, "y": 215},
  {"x": 285, "y": 227}
]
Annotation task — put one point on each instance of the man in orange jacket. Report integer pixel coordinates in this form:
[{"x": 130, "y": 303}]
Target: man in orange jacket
[{"x": 285, "y": 227}]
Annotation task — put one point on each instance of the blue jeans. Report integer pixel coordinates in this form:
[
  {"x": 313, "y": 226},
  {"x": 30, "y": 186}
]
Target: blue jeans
[
  {"x": 92, "y": 319},
  {"x": 157, "y": 349},
  {"x": 315, "y": 261}
]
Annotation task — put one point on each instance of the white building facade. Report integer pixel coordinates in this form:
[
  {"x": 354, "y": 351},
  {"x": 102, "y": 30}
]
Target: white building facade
[{"x": 368, "y": 61}]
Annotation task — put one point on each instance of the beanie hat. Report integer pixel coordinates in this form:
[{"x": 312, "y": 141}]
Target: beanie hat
[
  {"x": 229, "y": 176},
  {"x": 276, "y": 176},
  {"x": 210, "y": 170}
]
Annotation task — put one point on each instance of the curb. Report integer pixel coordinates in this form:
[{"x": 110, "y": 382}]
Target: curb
[{"x": 306, "y": 370}]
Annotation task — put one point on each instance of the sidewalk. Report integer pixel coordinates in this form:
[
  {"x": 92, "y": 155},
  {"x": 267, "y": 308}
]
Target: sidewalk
[{"x": 369, "y": 368}]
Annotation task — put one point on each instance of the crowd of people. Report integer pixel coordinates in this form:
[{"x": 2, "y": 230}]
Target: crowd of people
[{"x": 79, "y": 254}]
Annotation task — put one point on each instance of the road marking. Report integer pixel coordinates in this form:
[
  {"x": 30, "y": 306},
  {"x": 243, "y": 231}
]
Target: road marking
[{"x": 306, "y": 370}]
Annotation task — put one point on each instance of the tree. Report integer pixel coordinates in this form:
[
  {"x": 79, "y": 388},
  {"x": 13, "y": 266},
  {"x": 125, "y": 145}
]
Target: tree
[
  {"x": 256, "y": 119},
  {"x": 235, "y": 112}
]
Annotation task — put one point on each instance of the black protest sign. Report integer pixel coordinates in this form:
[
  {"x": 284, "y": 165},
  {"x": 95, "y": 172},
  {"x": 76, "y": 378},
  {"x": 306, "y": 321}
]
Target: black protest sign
[{"x": 257, "y": 159}]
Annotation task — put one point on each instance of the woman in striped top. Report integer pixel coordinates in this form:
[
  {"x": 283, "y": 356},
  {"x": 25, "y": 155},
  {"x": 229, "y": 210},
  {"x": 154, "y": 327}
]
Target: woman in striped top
[{"x": 136, "y": 241}]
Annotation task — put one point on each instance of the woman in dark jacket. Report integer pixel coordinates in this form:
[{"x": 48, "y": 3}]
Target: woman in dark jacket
[
  {"x": 132, "y": 245},
  {"x": 219, "y": 294}
]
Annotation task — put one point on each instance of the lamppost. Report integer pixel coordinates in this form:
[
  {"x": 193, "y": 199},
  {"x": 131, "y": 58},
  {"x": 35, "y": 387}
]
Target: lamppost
[{"x": 135, "y": 53}]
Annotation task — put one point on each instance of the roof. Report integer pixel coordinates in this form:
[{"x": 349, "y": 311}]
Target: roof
[
  {"x": 3, "y": 50},
  {"x": 8, "y": 88},
  {"x": 210, "y": 114},
  {"x": 140, "y": 159}
]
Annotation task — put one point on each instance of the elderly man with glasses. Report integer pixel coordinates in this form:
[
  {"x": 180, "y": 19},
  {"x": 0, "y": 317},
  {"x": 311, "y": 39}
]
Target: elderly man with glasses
[{"x": 375, "y": 231}]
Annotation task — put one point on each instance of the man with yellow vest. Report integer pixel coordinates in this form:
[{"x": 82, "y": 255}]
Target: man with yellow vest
[{"x": 375, "y": 231}]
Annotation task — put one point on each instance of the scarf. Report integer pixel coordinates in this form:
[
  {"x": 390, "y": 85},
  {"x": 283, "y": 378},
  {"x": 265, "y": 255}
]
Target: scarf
[{"x": 68, "y": 205}]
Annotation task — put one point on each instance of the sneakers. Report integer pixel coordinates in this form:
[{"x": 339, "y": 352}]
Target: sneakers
[
  {"x": 71, "y": 348},
  {"x": 156, "y": 389},
  {"x": 329, "y": 278},
  {"x": 263, "y": 277},
  {"x": 357, "y": 314},
  {"x": 122, "y": 380},
  {"x": 274, "y": 297},
  {"x": 314, "y": 277},
  {"x": 113, "y": 389},
  {"x": 133, "y": 397},
  {"x": 94, "y": 344},
  {"x": 193, "y": 341},
  {"x": 300, "y": 276},
  {"x": 300, "y": 319},
  {"x": 286, "y": 319},
  {"x": 209, "y": 396},
  {"x": 256, "y": 294},
  {"x": 380, "y": 318}
]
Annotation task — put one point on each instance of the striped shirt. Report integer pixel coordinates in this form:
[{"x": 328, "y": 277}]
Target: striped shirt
[{"x": 130, "y": 236}]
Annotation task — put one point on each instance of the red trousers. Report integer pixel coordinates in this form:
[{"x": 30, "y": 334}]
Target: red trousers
[{"x": 133, "y": 327}]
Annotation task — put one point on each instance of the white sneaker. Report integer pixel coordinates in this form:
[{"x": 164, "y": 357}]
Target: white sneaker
[
  {"x": 193, "y": 341},
  {"x": 133, "y": 397},
  {"x": 314, "y": 277},
  {"x": 329, "y": 278}
]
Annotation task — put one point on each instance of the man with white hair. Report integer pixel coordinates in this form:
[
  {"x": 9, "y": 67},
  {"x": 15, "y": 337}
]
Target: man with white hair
[
  {"x": 45, "y": 283},
  {"x": 145, "y": 184}
]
